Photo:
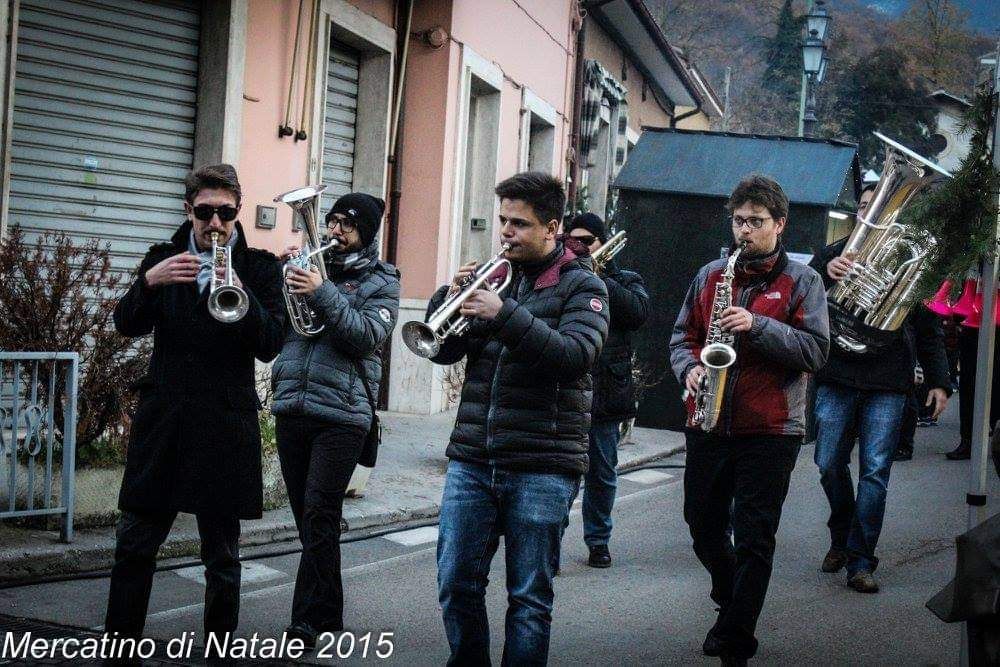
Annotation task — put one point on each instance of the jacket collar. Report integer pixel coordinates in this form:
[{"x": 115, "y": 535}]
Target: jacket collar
[
  {"x": 768, "y": 267},
  {"x": 549, "y": 277},
  {"x": 180, "y": 238}
]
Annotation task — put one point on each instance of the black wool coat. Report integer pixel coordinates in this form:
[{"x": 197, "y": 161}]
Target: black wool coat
[
  {"x": 195, "y": 439},
  {"x": 528, "y": 389}
]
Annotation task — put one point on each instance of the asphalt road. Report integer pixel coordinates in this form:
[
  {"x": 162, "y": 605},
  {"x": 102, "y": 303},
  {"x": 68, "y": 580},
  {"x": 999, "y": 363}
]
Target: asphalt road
[{"x": 651, "y": 607}]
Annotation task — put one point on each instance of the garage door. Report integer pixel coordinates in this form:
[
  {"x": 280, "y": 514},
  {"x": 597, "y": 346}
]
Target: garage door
[{"x": 340, "y": 118}]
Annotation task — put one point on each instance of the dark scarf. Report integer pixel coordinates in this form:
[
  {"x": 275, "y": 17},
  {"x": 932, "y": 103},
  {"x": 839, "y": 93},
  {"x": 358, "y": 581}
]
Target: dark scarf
[{"x": 346, "y": 262}]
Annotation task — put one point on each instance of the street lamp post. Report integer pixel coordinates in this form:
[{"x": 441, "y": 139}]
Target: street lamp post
[{"x": 814, "y": 62}]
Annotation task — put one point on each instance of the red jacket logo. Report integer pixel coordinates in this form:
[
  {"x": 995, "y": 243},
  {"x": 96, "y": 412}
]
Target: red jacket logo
[{"x": 596, "y": 305}]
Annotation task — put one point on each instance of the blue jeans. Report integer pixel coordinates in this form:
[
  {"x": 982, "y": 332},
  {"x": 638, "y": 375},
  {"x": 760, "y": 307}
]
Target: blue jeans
[
  {"x": 600, "y": 483},
  {"x": 873, "y": 416},
  {"x": 480, "y": 504}
]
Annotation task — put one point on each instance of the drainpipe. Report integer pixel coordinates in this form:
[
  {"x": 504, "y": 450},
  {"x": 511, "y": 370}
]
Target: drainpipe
[
  {"x": 395, "y": 173},
  {"x": 578, "y": 75}
]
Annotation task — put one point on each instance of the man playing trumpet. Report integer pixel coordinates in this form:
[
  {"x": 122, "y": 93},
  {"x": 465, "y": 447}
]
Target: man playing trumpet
[
  {"x": 739, "y": 471},
  {"x": 519, "y": 444},
  {"x": 195, "y": 440}
]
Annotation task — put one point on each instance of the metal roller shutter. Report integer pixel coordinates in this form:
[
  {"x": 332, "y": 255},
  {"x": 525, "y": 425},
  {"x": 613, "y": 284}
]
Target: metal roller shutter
[
  {"x": 104, "y": 120},
  {"x": 338, "y": 124}
]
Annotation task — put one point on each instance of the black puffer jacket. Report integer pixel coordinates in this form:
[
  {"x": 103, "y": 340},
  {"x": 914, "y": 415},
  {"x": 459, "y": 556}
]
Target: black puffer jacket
[
  {"x": 614, "y": 388},
  {"x": 527, "y": 393},
  {"x": 921, "y": 338},
  {"x": 318, "y": 377}
]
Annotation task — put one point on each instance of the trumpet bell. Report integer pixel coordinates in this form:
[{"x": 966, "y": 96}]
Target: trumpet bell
[
  {"x": 228, "y": 304},
  {"x": 421, "y": 339}
]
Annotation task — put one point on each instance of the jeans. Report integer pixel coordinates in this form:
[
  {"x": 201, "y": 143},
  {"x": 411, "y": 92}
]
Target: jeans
[
  {"x": 855, "y": 523},
  {"x": 742, "y": 481},
  {"x": 600, "y": 483},
  {"x": 317, "y": 461},
  {"x": 138, "y": 538},
  {"x": 480, "y": 504}
]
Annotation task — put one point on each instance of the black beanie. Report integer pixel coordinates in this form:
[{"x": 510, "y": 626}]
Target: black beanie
[
  {"x": 591, "y": 222},
  {"x": 364, "y": 210}
]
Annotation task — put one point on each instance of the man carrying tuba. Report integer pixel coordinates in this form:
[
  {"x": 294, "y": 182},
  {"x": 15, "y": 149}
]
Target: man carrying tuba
[
  {"x": 195, "y": 440},
  {"x": 324, "y": 390},
  {"x": 739, "y": 470}
]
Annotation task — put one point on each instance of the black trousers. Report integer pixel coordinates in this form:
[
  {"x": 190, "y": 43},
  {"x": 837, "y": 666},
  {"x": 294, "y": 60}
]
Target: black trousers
[
  {"x": 317, "y": 461},
  {"x": 139, "y": 536},
  {"x": 968, "y": 345},
  {"x": 750, "y": 475}
]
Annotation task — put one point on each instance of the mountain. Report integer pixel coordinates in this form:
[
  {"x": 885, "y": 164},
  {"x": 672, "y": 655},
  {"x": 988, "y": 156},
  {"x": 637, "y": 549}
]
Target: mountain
[{"x": 984, "y": 15}]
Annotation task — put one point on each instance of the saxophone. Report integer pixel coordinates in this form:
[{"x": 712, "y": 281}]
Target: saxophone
[{"x": 718, "y": 354}]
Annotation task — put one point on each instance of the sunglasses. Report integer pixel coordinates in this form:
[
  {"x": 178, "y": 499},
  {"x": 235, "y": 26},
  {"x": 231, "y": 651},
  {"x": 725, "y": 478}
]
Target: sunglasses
[
  {"x": 204, "y": 212},
  {"x": 585, "y": 240}
]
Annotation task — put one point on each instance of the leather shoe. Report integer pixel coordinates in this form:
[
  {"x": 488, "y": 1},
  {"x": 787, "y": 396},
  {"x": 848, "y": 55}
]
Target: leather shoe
[
  {"x": 729, "y": 660},
  {"x": 834, "y": 560},
  {"x": 863, "y": 582},
  {"x": 304, "y": 631},
  {"x": 903, "y": 453},
  {"x": 961, "y": 453},
  {"x": 712, "y": 647},
  {"x": 599, "y": 556}
]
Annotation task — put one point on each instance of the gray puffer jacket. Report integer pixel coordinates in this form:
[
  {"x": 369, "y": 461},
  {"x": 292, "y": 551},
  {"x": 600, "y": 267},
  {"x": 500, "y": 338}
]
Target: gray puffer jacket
[{"x": 316, "y": 377}]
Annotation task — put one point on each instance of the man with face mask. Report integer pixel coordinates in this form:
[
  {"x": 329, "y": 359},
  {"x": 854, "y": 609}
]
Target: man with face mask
[
  {"x": 195, "y": 440},
  {"x": 519, "y": 444},
  {"x": 743, "y": 466},
  {"x": 322, "y": 386}
]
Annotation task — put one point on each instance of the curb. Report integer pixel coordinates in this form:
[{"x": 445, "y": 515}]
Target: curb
[{"x": 95, "y": 559}]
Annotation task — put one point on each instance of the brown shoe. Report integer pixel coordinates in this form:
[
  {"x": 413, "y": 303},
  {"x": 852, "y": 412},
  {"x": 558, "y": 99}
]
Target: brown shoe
[
  {"x": 863, "y": 582},
  {"x": 834, "y": 561}
]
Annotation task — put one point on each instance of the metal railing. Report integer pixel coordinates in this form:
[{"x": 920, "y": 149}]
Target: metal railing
[{"x": 37, "y": 389}]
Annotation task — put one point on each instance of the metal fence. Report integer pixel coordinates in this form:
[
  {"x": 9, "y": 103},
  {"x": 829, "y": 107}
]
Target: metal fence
[{"x": 37, "y": 390}]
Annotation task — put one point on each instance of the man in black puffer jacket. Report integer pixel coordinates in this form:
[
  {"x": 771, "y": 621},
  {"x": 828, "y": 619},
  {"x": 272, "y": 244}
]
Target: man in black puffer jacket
[
  {"x": 614, "y": 389},
  {"x": 520, "y": 440},
  {"x": 321, "y": 403}
]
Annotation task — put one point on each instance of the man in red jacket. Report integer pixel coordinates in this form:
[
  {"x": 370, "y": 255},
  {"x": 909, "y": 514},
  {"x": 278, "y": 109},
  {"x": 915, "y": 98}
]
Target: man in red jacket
[{"x": 742, "y": 467}]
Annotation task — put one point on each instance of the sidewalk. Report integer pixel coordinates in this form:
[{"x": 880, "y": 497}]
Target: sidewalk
[{"x": 405, "y": 485}]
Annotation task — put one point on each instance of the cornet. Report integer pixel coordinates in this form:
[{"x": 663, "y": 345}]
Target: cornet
[
  {"x": 425, "y": 340},
  {"x": 226, "y": 302},
  {"x": 607, "y": 252}
]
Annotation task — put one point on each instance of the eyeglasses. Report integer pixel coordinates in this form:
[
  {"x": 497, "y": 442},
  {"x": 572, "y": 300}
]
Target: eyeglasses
[
  {"x": 205, "y": 213},
  {"x": 586, "y": 239},
  {"x": 346, "y": 224},
  {"x": 751, "y": 222}
]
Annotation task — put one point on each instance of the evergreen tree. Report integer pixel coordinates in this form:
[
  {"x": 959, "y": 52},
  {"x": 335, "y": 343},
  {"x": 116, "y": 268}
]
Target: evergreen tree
[{"x": 784, "y": 55}]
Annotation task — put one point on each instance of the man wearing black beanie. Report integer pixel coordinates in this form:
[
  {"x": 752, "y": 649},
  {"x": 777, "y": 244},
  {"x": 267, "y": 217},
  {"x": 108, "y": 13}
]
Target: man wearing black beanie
[
  {"x": 323, "y": 389},
  {"x": 614, "y": 391}
]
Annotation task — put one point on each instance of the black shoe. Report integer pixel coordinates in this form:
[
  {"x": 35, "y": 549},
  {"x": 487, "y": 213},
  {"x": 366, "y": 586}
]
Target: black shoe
[
  {"x": 729, "y": 660},
  {"x": 903, "y": 453},
  {"x": 834, "y": 560},
  {"x": 961, "y": 453},
  {"x": 304, "y": 631},
  {"x": 599, "y": 556},
  {"x": 863, "y": 582},
  {"x": 712, "y": 647}
]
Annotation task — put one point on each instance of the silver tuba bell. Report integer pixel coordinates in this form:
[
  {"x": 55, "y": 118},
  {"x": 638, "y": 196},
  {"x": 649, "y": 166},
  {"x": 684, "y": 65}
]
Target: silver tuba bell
[
  {"x": 425, "y": 340},
  {"x": 875, "y": 296},
  {"x": 303, "y": 202},
  {"x": 226, "y": 301}
]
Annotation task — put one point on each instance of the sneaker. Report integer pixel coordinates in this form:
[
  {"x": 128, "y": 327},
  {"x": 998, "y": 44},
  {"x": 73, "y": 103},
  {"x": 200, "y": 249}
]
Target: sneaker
[
  {"x": 599, "y": 556},
  {"x": 863, "y": 582},
  {"x": 961, "y": 453},
  {"x": 834, "y": 561},
  {"x": 304, "y": 631},
  {"x": 903, "y": 453}
]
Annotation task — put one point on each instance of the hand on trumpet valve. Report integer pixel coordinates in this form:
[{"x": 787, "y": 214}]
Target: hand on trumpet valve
[
  {"x": 482, "y": 303},
  {"x": 693, "y": 379},
  {"x": 736, "y": 319},
  {"x": 182, "y": 268},
  {"x": 461, "y": 276},
  {"x": 301, "y": 281},
  {"x": 289, "y": 252}
]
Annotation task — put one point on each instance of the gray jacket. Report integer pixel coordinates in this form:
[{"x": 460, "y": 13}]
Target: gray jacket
[{"x": 317, "y": 377}]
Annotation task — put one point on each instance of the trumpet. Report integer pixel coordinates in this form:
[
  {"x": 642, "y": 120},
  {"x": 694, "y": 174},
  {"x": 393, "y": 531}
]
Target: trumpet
[
  {"x": 226, "y": 301},
  {"x": 607, "y": 252},
  {"x": 302, "y": 317},
  {"x": 425, "y": 339}
]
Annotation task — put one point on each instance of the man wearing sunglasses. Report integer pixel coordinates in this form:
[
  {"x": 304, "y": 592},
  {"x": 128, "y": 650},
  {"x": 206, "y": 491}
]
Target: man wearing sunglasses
[
  {"x": 323, "y": 391},
  {"x": 739, "y": 472},
  {"x": 195, "y": 441},
  {"x": 614, "y": 390}
]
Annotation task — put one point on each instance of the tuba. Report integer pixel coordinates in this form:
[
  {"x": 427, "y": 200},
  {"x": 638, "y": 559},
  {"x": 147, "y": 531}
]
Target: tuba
[
  {"x": 303, "y": 318},
  {"x": 425, "y": 340},
  {"x": 607, "y": 252},
  {"x": 875, "y": 296},
  {"x": 226, "y": 301}
]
